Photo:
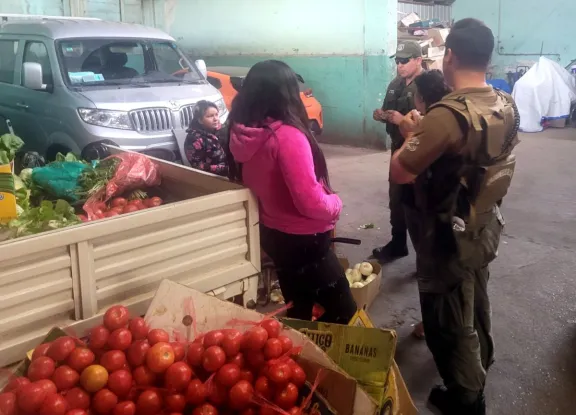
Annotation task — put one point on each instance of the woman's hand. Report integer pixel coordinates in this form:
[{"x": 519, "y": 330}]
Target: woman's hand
[{"x": 410, "y": 123}]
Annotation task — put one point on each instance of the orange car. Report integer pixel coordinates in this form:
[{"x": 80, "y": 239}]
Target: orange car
[{"x": 228, "y": 79}]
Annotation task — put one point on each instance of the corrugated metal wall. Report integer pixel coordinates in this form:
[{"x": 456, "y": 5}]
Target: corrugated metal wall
[{"x": 425, "y": 11}]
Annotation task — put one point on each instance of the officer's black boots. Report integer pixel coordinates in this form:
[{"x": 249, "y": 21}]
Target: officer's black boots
[
  {"x": 447, "y": 403},
  {"x": 395, "y": 249}
]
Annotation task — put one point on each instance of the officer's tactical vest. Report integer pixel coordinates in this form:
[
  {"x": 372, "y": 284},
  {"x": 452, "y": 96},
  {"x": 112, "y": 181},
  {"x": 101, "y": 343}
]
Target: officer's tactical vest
[{"x": 491, "y": 130}]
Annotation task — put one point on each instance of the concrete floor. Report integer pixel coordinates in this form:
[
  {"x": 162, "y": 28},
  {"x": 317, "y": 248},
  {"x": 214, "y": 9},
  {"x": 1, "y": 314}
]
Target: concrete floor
[{"x": 533, "y": 285}]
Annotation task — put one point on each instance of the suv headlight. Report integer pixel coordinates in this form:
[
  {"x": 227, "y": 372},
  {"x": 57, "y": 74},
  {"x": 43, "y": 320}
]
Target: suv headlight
[
  {"x": 221, "y": 106},
  {"x": 106, "y": 118}
]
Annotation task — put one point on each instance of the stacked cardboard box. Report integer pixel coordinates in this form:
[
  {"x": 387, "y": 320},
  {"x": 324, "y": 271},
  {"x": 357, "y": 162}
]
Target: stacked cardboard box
[{"x": 430, "y": 34}]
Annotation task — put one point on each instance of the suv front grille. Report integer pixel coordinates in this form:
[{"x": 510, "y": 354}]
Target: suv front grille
[
  {"x": 151, "y": 120},
  {"x": 186, "y": 116}
]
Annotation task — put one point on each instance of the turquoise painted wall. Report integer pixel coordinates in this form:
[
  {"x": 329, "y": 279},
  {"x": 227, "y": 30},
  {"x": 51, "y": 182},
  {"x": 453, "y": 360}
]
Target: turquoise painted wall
[
  {"x": 525, "y": 27},
  {"x": 341, "y": 48}
]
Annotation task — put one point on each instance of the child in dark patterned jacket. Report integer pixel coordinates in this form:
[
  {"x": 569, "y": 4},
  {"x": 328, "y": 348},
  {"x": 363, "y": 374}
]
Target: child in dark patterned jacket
[{"x": 202, "y": 146}]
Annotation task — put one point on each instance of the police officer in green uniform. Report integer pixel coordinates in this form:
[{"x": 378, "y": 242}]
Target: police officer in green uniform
[
  {"x": 459, "y": 157},
  {"x": 398, "y": 102}
]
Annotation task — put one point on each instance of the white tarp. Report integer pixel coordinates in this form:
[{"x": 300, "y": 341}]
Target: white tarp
[{"x": 545, "y": 92}]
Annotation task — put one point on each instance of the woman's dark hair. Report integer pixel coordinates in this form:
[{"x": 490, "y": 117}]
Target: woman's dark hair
[
  {"x": 432, "y": 87},
  {"x": 270, "y": 90},
  {"x": 198, "y": 113}
]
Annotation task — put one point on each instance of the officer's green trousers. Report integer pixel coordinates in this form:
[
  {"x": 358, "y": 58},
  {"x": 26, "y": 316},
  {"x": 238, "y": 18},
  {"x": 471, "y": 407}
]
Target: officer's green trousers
[{"x": 457, "y": 325}]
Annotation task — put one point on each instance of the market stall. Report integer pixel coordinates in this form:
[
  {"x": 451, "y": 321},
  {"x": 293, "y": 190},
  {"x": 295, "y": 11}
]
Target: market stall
[{"x": 204, "y": 235}]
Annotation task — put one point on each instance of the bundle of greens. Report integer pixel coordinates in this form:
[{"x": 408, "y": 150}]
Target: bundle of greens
[
  {"x": 9, "y": 146},
  {"x": 46, "y": 217},
  {"x": 94, "y": 179}
]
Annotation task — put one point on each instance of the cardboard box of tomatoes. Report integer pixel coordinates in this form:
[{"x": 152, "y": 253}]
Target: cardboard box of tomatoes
[{"x": 192, "y": 354}]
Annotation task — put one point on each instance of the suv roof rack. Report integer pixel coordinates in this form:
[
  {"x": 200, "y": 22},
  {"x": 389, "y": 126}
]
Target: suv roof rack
[{"x": 5, "y": 16}]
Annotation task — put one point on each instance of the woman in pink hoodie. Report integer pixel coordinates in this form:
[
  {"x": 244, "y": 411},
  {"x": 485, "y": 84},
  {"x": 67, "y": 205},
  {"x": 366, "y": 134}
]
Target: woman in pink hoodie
[{"x": 273, "y": 152}]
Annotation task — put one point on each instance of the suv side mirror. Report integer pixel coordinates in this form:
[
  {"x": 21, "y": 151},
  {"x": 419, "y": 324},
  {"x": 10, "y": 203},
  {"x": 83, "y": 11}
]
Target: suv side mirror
[
  {"x": 33, "y": 76},
  {"x": 201, "y": 65}
]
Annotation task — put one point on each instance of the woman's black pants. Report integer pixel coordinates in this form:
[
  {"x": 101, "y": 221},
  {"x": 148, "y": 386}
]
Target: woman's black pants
[{"x": 309, "y": 272}]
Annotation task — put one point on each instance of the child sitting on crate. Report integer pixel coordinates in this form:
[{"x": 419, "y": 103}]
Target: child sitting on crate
[{"x": 202, "y": 146}]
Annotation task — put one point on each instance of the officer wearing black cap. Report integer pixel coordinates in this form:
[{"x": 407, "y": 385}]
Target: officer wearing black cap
[{"x": 399, "y": 101}]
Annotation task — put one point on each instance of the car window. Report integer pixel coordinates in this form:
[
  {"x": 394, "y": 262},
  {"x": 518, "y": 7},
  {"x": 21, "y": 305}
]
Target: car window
[
  {"x": 167, "y": 59},
  {"x": 37, "y": 52},
  {"x": 8, "y": 51}
]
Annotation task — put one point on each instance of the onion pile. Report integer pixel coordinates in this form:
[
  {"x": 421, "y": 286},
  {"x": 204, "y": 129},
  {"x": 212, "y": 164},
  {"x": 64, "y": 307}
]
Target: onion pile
[{"x": 361, "y": 275}]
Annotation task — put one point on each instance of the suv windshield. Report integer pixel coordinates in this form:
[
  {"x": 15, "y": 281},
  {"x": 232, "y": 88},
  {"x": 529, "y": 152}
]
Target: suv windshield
[{"x": 101, "y": 62}]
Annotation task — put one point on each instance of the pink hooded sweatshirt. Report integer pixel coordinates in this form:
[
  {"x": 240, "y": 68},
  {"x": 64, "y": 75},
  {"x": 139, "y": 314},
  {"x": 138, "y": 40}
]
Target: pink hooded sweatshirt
[{"x": 279, "y": 169}]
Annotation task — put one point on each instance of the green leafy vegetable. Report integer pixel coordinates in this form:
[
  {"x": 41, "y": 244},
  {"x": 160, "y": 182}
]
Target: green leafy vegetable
[
  {"x": 68, "y": 157},
  {"x": 9, "y": 146},
  {"x": 46, "y": 217},
  {"x": 94, "y": 179}
]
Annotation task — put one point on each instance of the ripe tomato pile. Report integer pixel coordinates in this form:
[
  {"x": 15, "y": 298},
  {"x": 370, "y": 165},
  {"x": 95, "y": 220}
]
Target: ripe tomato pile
[
  {"x": 120, "y": 205},
  {"x": 127, "y": 369}
]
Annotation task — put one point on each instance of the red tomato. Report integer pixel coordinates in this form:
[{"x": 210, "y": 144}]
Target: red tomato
[
  {"x": 30, "y": 397},
  {"x": 61, "y": 348},
  {"x": 143, "y": 376},
  {"x": 264, "y": 387},
  {"x": 98, "y": 214},
  {"x": 213, "y": 358},
  {"x": 159, "y": 357},
  {"x": 116, "y": 317},
  {"x": 255, "y": 359},
  {"x": 83, "y": 218},
  {"x": 104, "y": 401},
  {"x": 177, "y": 377},
  {"x": 176, "y": 402},
  {"x": 205, "y": 409},
  {"x": 76, "y": 412},
  {"x": 218, "y": 395},
  {"x": 298, "y": 376},
  {"x": 130, "y": 209},
  {"x": 99, "y": 337},
  {"x": 228, "y": 375},
  {"x": 158, "y": 336},
  {"x": 111, "y": 213},
  {"x": 154, "y": 201},
  {"x": 77, "y": 398},
  {"x": 54, "y": 404},
  {"x": 100, "y": 206},
  {"x": 149, "y": 403},
  {"x": 213, "y": 338},
  {"x": 287, "y": 344},
  {"x": 65, "y": 378},
  {"x": 238, "y": 360},
  {"x": 80, "y": 358},
  {"x": 249, "y": 411},
  {"x": 41, "y": 350},
  {"x": 124, "y": 408},
  {"x": 286, "y": 396},
  {"x": 280, "y": 373},
  {"x": 232, "y": 342},
  {"x": 136, "y": 353},
  {"x": 113, "y": 360},
  {"x": 295, "y": 411},
  {"x": 8, "y": 403},
  {"x": 240, "y": 395},
  {"x": 255, "y": 338},
  {"x": 119, "y": 210},
  {"x": 118, "y": 202},
  {"x": 195, "y": 353},
  {"x": 138, "y": 328},
  {"x": 47, "y": 385},
  {"x": 120, "y": 383},
  {"x": 179, "y": 351},
  {"x": 196, "y": 392},
  {"x": 272, "y": 326},
  {"x": 16, "y": 383},
  {"x": 247, "y": 375},
  {"x": 41, "y": 368},
  {"x": 273, "y": 349},
  {"x": 120, "y": 339}
]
